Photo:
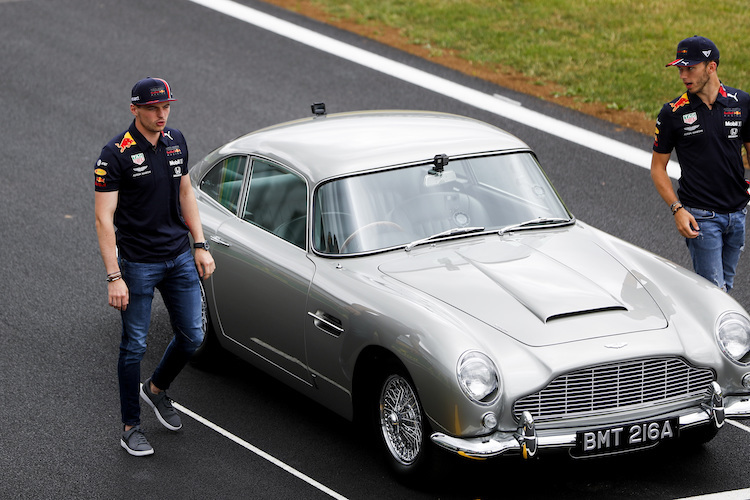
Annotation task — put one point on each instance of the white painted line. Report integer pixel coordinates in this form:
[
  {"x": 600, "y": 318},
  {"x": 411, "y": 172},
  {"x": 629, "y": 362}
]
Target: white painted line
[
  {"x": 439, "y": 85},
  {"x": 739, "y": 426},
  {"x": 258, "y": 452},
  {"x": 725, "y": 495}
]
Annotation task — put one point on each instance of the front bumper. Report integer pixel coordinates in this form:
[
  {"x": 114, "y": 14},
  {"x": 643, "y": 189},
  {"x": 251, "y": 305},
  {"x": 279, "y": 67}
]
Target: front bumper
[{"x": 526, "y": 440}]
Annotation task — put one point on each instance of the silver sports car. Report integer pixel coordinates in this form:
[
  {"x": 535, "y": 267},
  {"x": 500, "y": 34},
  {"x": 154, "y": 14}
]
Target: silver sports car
[{"x": 419, "y": 270}]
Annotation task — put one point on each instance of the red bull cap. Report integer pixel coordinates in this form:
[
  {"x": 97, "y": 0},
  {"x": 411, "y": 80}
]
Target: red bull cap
[
  {"x": 695, "y": 50},
  {"x": 150, "y": 91}
]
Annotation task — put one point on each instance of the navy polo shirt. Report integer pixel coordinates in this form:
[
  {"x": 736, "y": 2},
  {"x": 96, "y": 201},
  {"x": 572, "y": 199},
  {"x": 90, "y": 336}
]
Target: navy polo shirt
[
  {"x": 709, "y": 148},
  {"x": 150, "y": 227}
]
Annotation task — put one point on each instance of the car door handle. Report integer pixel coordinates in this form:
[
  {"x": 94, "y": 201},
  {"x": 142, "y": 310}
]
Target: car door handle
[
  {"x": 327, "y": 323},
  {"x": 219, "y": 241}
]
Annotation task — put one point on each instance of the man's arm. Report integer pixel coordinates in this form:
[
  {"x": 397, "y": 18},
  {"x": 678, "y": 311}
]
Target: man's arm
[
  {"x": 189, "y": 207},
  {"x": 685, "y": 222},
  {"x": 105, "y": 204}
]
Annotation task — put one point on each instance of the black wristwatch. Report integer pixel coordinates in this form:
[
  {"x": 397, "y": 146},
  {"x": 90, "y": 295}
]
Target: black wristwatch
[{"x": 204, "y": 245}]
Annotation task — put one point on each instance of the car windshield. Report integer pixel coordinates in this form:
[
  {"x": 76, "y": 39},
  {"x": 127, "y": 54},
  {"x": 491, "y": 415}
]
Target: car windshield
[{"x": 411, "y": 205}]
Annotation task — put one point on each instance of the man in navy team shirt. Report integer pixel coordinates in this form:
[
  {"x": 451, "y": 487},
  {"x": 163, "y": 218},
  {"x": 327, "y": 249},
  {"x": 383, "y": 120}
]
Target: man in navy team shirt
[
  {"x": 707, "y": 126},
  {"x": 145, "y": 208}
]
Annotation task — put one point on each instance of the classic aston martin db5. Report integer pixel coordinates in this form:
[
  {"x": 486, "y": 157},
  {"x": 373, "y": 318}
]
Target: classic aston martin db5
[{"x": 419, "y": 270}]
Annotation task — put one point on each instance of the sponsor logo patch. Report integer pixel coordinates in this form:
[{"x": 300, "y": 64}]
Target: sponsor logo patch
[
  {"x": 690, "y": 118},
  {"x": 126, "y": 141},
  {"x": 682, "y": 101},
  {"x": 173, "y": 150},
  {"x": 140, "y": 171},
  {"x": 138, "y": 158},
  {"x": 692, "y": 130}
]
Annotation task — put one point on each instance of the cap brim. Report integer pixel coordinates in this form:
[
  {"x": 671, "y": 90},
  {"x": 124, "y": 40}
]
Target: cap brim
[
  {"x": 153, "y": 102},
  {"x": 682, "y": 62}
]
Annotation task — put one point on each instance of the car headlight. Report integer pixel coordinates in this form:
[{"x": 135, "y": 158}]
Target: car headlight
[
  {"x": 733, "y": 335},
  {"x": 478, "y": 377}
]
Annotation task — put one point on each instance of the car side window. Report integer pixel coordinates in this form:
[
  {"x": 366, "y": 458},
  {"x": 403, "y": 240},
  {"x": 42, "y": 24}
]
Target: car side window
[
  {"x": 277, "y": 202},
  {"x": 223, "y": 182}
]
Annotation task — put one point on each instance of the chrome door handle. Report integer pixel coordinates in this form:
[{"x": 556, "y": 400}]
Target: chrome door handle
[
  {"x": 219, "y": 241},
  {"x": 327, "y": 323}
]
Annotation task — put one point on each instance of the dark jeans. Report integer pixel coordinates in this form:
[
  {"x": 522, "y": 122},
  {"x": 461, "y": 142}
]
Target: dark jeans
[{"x": 178, "y": 282}]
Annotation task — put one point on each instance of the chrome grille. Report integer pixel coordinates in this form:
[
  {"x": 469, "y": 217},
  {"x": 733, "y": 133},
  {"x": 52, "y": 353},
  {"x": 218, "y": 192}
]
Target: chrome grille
[{"x": 617, "y": 387}]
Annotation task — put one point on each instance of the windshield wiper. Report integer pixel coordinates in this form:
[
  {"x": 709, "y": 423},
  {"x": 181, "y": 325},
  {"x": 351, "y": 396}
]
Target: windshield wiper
[
  {"x": 445, "y": 234},
  {"x": 539, "y": 221}
]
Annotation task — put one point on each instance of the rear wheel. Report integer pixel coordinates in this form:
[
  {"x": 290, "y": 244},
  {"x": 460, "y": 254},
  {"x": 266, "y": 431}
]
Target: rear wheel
[{"x": 402, "y": 425}]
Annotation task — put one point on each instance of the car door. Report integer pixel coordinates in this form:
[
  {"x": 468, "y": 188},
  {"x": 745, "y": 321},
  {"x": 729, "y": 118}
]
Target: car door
[{"x": 263, "y": 273}]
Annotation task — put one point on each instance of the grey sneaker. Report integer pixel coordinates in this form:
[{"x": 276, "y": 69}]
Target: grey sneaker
[
  {"x": 135, "y": 442},
  {"x": 162, "y": 406}
]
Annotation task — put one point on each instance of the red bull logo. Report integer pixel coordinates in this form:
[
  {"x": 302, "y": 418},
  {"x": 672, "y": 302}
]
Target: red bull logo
[
  {"x": 126, "y": 142},
  {"x": 682, "y": 101}
]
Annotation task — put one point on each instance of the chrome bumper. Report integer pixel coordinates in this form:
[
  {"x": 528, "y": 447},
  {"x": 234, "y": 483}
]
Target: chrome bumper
[{"x": 526, "y": 440}]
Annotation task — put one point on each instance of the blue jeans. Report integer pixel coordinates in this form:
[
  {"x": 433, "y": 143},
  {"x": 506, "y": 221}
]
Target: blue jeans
[
  {"x": 716, "y": 251},
  {"x": 178, "y": 282}
]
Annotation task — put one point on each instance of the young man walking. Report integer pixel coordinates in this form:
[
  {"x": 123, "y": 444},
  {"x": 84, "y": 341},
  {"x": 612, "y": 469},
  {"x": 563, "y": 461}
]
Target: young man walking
[
  {"x": 707, "y": 126},
  {"x": 145, "y": 208}
]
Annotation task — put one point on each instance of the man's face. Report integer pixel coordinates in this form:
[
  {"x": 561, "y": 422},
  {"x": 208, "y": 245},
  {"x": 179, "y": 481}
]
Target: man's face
[
  {"x": 695, "y": 77},
  {"x": 151, "y": 117}
]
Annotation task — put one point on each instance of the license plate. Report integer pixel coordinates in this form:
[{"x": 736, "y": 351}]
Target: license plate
[{"x": 626, "y": 437}]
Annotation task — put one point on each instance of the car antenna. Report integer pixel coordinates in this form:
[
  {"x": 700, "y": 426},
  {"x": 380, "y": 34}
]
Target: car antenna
[{"x": 318, "y": 109}]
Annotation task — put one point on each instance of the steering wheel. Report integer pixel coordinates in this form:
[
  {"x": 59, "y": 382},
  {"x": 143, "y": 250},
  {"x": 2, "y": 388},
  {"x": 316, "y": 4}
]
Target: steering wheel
[{"x": 358, "y": 231}]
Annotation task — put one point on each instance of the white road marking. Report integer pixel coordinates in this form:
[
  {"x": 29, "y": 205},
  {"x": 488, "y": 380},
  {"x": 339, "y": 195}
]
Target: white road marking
[
  {"x": 486, "y": 102},
  {"x": 725, "y": 495},
  {"x": 258, "y": 452},
  {"x": 739, "y": 426}
]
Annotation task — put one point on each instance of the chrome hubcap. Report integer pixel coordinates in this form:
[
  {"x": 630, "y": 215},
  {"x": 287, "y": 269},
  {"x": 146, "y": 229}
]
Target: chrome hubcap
[{"x": 401, "y": 419}]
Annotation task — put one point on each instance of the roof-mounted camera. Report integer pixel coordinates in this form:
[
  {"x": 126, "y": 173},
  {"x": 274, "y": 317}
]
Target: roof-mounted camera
[
  {"x": 318, "y": 109},
  {"x": 440, "y": 161}
]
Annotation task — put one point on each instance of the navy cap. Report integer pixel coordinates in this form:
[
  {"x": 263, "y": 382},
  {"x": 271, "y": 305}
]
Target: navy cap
[
  {"x": 695, "y": 50},
  {"x": 150, "y": 91}
]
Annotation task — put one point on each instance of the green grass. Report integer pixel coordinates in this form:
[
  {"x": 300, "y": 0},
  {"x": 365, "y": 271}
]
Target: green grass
[{"x": 608, "y": 51}]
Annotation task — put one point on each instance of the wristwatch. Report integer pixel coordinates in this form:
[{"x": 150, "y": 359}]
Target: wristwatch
[{"x": 203, "y": 244}]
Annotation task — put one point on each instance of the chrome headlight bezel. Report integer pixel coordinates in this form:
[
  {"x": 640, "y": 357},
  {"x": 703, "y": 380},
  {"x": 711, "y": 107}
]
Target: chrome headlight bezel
[
  {"x": 733, "y": 337},
  {"x": 478, "y": 378}
]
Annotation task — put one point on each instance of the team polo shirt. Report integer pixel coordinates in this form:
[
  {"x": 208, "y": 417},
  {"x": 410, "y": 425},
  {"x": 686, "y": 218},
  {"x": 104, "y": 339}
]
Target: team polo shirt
[
  {"x": 150, "y": 227},
  {"x": 709, "y": 148}
]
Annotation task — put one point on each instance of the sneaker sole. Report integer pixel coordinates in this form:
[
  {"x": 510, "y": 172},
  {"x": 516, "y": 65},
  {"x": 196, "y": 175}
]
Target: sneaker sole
[
  {"x": 135, "y": 453},
  {"x": 166, "y": 424}
]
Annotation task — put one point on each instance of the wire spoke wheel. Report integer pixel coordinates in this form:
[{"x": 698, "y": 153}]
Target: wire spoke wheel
[{"x": 401, "y": 420}]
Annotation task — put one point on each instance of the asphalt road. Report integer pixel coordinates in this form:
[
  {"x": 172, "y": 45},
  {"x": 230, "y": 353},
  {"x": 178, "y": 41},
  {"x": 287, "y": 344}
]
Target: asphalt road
[{"x": 67, "y": 69}]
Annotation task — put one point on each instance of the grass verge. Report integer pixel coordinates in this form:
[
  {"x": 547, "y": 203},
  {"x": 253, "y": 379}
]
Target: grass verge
[{"x": 602, "y": 57}]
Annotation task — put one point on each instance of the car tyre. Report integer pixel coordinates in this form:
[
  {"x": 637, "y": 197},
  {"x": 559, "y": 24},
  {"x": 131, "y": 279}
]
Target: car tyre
[{"x": 402, "y": 426}]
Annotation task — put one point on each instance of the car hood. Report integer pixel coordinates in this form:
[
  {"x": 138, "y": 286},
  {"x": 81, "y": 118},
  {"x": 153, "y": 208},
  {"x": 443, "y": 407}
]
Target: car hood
[{"x": 539, "y": 287}]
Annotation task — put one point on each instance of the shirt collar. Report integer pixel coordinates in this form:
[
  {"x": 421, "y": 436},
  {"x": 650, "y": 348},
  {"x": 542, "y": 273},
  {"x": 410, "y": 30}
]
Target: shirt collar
[{"x": 141, "y": 140}]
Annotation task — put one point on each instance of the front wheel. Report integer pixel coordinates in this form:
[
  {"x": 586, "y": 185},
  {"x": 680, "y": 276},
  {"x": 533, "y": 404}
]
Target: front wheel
[{"x": 402, "y": 425}]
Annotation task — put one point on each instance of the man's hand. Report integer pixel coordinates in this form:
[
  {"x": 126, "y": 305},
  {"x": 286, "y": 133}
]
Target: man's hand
[
  {"x": 119, "y": 295},
  {"x": 686, "y": 223},
  {"x": 204, "y": 262}
]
